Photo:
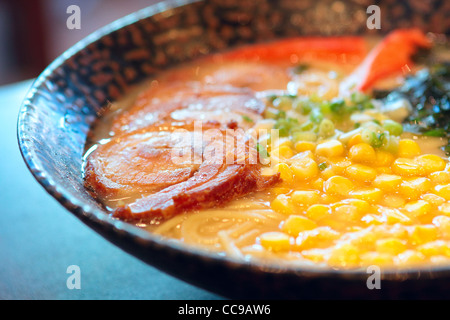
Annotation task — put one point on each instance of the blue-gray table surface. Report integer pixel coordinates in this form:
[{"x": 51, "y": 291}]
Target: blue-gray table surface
[{"x": 39, "y": 239}]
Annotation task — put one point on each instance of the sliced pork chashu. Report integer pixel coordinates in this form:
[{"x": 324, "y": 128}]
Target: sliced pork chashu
[{"x": 159, "y": 154}]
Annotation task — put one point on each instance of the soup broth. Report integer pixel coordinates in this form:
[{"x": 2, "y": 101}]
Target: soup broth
[{"x": 345, "y": 184}]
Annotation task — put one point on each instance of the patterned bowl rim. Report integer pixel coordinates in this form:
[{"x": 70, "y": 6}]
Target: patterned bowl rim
[{"x": 96, "y": 218}]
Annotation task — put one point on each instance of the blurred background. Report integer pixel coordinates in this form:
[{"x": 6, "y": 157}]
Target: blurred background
[{"x": 33, "y": 33}]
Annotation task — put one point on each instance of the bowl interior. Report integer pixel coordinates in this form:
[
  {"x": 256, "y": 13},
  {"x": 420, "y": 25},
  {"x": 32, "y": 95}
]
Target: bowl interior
[{"x": 70, "y": 95}]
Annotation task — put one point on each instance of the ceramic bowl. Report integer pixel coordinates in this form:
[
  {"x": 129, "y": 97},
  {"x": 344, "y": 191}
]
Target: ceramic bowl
[{"x": 68, "y": 97}]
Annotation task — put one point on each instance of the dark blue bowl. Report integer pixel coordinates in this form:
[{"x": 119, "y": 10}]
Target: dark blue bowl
[{"x": 69, "y": 96}]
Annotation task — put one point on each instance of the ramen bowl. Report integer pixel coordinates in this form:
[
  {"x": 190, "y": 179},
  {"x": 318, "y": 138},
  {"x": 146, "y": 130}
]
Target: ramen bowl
[{"x": 71, "y": 94}]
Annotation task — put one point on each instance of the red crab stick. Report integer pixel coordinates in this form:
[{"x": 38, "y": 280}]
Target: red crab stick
[
  {"x": 314, "y": 47},
  {"x": 390, "y": 56}
]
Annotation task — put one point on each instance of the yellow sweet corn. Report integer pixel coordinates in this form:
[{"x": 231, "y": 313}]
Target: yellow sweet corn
[
  {"x": 283, "y": 204},
  {"x": 435, "y": 248},
  {"x": 417, "y": 208},
  {"x": 408, "y": 148},
  {"x": 412, "y": 188},
  {"x": 355, "y": 139},
  {"x": 391, "y": 246},
  {"x": 345, "y": 255},
  {"x": 305, "y": 146},
  {"x": 285, "y": 172},
  {"x": 440, "y": 177},
  {"x": 383, "y": 158},
  {"x": 361, "y": 173},
  {"x": 444, "y": 209},
  {"x": 318, "y": 212},
  {"x": 305, "y": 197},
  {"x": 443, "y": 225},
  {"x": 409, "y": 258},
  {"x": 338, "y": 185},
  {"x": 393, "y": 201},
  {"x": 304, "y": 169},
  {"x": 367, "y": 194},
  {"x": 377, "y": 258},
  {"x": 423, "y": 233},
  {"x": 296, "y": 224},
  {"x": 407, "y": 167},
  {"x": 443, "y": 190},
  {"x": 275, "y": 241},
  {"x": 330, "y": 149},
  {"x": 362, "y": 153},
  {"x": 431, "y": 163},
  {"x": 387, "y": 182}
]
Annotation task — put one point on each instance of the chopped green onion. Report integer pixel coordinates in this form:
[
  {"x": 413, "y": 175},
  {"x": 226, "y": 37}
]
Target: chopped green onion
[
  {"x": 283, "y": 103},
  {"x": 394, "y": 128},
  {"x": 322, "y": 166},
  {"x": 262, "y": 151},
  {"x": 304, "y": 136},
  {"x": 326, "y": 128},
  {"x": 247, "y": 118}
]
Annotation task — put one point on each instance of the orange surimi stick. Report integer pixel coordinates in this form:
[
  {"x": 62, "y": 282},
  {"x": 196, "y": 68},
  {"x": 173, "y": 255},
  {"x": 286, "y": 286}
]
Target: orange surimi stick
[
  {"x": 389, "y": 57},
  {"x": 313, "y": 47}
]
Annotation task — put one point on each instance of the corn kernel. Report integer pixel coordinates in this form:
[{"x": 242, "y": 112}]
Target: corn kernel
[
  {"x": 296, "y": 224},
  {"x": 434, "y": 248},
  {"x": 315, "y": 255},
  {"x": 377, "y": 258},
  {"x": 394, "y": 216},
  {"x": 432, "y": 199},
  {"x": 440, "y": 177},
  {"x": 407, "y": 167},
  {"x": 408, "y": 148},
  {"x": 338, "y": 185},
  {"x": 345, "y": 255},
  {"x": 431, "y": 163},
  {"x": 283, "y": 204},
  {"x": 317, "y": 212},
  {"x": 373, "y": 219},
  {"x": 417, "y": 208},
  {"x": 341, "y": 165},
  {"x": 409, "y": 258},
  {"x": 412, "y": 188},
  {"x": 285, "y": 152},
  {"x": 387, "y": 182},
  {"x": 355, "y": 139},
  {"x": 384, "y": 158},
  {"x": 305, "y": 197},
  {"x": 362, "y": 205},
  {"x": 368, "y": 194},
  {"x": 443, "y": 190},
  {"x": 304, "y": 169},
  {"x": 393, "y": 201},
  {"x": 347, "y": 212},
  {"x": 390, "y": 245},
  {"x": 423, "y": 233},
  {"x": 444, "y": 209},
  {"x": 443, "y": 225},
  {"x": 361, "y": 173},
  {"x": 321, "y": 237},
  {"x": 305, "y": 146},
  {"x": 317, "y": 184},
  {"x": 328, "y": 172},
  {"x": 362, "y": 153},
  {"x": 330, "y": 148},
  {"x": 275, "y": 241},
  {"x": 285, "y": 172}
]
